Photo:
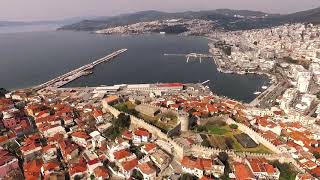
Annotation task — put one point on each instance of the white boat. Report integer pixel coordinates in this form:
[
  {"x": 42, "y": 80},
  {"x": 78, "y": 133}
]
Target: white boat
[
  {"x": 264, "y": 87},
  {"x": 257, "y": 93}
]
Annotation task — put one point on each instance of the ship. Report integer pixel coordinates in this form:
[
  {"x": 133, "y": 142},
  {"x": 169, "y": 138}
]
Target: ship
[{"x": 257, "y": 93}]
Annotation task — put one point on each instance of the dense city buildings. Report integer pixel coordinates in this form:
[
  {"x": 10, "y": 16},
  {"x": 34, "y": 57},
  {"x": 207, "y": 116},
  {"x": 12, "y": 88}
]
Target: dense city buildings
[{"x": 175, "y": 130}]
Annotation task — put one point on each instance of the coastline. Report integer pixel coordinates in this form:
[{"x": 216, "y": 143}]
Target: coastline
[
  {"x": 219, "y": 58},
  {"x": 246, "y": 94}
]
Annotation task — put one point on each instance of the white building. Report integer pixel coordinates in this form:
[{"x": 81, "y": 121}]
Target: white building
[
  {"x": 306, "y": 102},
  {"x": 97, "y": 139},
  {"x": 303, "y": 82},
  {"x": 287, "y": 98},
  {"x": 200, "y": 167}
]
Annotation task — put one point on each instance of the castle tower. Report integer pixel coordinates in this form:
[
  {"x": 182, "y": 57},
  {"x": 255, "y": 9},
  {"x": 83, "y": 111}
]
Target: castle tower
[{"x": 184, "y": 121}]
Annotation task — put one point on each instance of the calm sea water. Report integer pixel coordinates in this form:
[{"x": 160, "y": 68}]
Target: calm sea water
[{"x": 28, "y": 59}]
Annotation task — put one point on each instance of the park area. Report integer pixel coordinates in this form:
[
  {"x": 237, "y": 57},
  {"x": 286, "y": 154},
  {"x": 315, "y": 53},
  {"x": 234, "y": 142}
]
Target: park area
[{"x": 218, "y": 134}]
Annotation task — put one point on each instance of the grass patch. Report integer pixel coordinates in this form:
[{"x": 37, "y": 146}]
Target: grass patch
[
  {"x": 127, "y": 107},
  {"x": 259, "y": 149},
  {"x": 218, "y": 130},
  {"x": 164, "y": 126},
  {"x": 216, "y": 127},
  {"x": 169, "y": 119},
  {"x": 221, "y": 135}
]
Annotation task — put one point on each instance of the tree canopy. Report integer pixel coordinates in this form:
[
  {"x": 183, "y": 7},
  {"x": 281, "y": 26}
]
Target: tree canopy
[{"x": 123, "y": 121}]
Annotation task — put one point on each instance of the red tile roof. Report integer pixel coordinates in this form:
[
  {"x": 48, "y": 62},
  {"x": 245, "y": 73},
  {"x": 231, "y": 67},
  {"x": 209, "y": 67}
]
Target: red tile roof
[
  {"x": 49, "y": 147},
  {"x": 146, "y": 168},
  {"x": 127, "y": 135},
  {"x": 56, "y": 138},
  {"x": 5, "y": 156},
  {"x": 270, "y": 135},
  {"x": 305, "y": 176},
  {"x": 97, "y": 112},
  {"x": 3, "y": 138},
  {"x": 80, "y": 134},
  {"x": 141, "y": 132},
  {"x": 242, "y": 172},
  {"x": 79, "y": 167},
  {"x": 199, "y": 163},
  {"x": 50, "y": 166},
  {"x": 121, "y": 154},
  {"x": 94, "y": 161},
  {"x": 149, "y": 146},
  {"x": 129, "y": 165},
  {"x": 32, "y": 169},
  {"x": 316, "y": 171},
  {"x": 111, "y": 99},
  {"x": 101, "y": 172},
  {"x": 259, "y": 165},
  {"x": 43, "y": 113},
  {"x": 67, "y": 147},
  {"x": 169, "y": 85}
]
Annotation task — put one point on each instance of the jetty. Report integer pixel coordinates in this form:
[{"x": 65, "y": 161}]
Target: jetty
[{"x": 76, "y": 73}]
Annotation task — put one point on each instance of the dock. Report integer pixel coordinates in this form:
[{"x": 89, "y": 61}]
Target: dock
[
  {"x": 191, "y": 55},
  {"x": 205, "y": 82},
  {"x": 77, "y": 73}
]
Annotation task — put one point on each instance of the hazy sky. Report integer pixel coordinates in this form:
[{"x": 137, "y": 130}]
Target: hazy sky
[{"x": 59, "y": 9}]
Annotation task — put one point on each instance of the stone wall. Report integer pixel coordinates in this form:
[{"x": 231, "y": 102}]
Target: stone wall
[
  {"x": 178, "y": 149},
  {"x": 163, "y": 109},
  {"x": 111, "y": 109},
  {"x": 175, "y": 130},
  {"x": 255, "y": 136},
  {"x": 197, "y": 150}
]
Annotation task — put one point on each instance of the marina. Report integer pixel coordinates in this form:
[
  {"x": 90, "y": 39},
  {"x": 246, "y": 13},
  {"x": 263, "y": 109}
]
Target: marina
[
  {"x": 143, "y": 63},
  {"x": 192, "y": 55}
]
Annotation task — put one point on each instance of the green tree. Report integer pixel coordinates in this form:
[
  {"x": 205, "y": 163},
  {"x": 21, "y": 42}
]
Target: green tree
[
  {"x": 202, "y": 128},
  {"x": 123, "y": 121},
  {"x": 3, "y": 92},
  {"x": 318, "y": 95},
  {"x": 188, "y": 177},
  {"x": 233, "y": 126},
  {"x": 223, "y": 157},
  {"x": 316, "y": 155},
  {"x": 137, "y": 175},
  {"x": 92, "y": 177},
  {"x": 287, "y": 172},
  {"x": 206, "y": 143}
]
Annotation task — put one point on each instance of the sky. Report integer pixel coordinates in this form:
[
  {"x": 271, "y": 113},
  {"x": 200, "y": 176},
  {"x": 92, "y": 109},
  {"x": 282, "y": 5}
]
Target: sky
[{"x": 34, "y": 10}]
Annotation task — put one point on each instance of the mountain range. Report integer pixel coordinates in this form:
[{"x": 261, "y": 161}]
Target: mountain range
[
  {"x": 31, "y": 23},
  {"x": 225, "y": 18}
]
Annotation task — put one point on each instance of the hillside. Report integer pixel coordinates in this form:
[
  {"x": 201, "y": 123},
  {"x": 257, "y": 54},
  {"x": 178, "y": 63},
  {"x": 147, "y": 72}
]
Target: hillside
[
  {"x": 225, "y": 18},
  {"x": 309, "y": 16},
  {"x": 32, "y": 23}
]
